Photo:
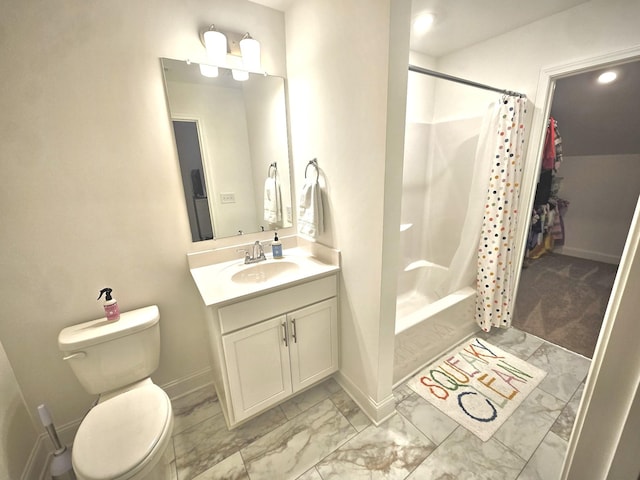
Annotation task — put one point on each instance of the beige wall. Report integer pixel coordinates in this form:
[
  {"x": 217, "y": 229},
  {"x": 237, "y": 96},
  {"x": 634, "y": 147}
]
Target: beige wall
[
  {"x": 603, "y": 191},
  {"x": 17, "y": 432},
  {"x": 91, "y": 193},
  {"x": 339, "y": 56}
]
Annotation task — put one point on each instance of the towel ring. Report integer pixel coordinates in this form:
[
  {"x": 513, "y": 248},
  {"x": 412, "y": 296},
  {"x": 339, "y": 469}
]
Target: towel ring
[
  {"x": 273, "y": 165},
  {"x": 313, "y": 163}
]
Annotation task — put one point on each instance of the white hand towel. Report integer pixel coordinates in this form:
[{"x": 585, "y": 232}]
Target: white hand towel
[
  {"x": 272, "y": 200},
  {"x": 310, "y": 214}
]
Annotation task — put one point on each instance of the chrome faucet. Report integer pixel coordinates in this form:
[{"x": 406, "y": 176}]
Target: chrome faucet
[{"x": 256, "y": 255}]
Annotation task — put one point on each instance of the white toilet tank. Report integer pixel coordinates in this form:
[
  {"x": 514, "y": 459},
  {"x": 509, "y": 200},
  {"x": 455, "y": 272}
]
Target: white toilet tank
[{"x": 106, "y": 355}]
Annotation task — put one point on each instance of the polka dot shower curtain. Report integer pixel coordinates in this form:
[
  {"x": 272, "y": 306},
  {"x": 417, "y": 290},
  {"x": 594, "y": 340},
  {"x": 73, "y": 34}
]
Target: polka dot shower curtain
[{"x": 496, "y": 262}]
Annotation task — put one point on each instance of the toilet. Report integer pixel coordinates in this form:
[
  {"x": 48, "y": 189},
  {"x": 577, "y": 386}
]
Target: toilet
[{"x": 127, "y": 433}]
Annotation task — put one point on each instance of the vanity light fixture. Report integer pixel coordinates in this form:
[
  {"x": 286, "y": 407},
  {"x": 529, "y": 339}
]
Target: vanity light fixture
[
  {"x": 216, "y": 44},
  {"x": 250, "y": 50},
  {"x": 250, "y": 53},
  {"x": 240, "y": 53}
]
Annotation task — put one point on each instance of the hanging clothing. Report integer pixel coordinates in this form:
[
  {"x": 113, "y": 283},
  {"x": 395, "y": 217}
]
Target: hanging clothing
[
  {"x": 552, "y": 153},
  {"x": 549, "y": 152},
  {"x": 494, "y": 280},
  {"x": 543, "y": 191},
  {"x": 547, "y": 227}
]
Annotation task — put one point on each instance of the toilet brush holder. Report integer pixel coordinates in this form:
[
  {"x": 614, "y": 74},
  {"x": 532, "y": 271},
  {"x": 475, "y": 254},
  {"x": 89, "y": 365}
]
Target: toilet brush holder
[{"x": 61, "y": 467}]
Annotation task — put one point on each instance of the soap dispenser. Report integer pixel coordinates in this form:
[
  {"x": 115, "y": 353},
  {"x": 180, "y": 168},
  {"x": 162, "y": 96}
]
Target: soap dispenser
[
  {"x": 276, "y": 247},
  {"x": 111, "y": 308}
]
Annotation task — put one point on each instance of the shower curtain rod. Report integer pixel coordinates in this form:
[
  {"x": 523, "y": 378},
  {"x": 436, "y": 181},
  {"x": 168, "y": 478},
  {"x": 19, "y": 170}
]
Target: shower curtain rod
[{"x": 433, "y": 73}]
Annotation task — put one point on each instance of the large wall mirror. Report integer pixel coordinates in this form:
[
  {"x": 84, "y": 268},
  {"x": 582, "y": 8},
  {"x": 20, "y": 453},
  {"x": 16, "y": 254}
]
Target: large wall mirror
[{"x": 232, "y": 144}]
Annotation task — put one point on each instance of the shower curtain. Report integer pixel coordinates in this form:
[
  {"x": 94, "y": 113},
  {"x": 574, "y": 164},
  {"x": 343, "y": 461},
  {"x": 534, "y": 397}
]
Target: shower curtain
[
  {"x": 484, "y": 252},
  {"x": 496, "y": 262}
]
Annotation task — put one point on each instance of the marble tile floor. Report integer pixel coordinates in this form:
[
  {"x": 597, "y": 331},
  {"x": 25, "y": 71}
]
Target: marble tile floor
[{"x": 321, "y": 434}]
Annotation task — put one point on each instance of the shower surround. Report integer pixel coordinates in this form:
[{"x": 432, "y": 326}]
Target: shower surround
[{"x": 438, "y": 168}]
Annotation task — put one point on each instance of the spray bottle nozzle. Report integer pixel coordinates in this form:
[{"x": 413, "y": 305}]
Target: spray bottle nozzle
[{"x": 107, "y": 291}]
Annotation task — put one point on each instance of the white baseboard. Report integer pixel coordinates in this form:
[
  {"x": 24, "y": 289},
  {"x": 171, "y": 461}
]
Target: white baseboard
[
  {"x": 38, "y": 463},
  {"x": 588, "y": 255},
  {"x": 185, "y": 385},
  {"x": 377, "y": 412}
]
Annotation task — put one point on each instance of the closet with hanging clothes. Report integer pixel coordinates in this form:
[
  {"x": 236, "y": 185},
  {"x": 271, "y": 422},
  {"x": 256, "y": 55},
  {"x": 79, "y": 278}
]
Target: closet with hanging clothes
[{"x": 547, "y": 227}]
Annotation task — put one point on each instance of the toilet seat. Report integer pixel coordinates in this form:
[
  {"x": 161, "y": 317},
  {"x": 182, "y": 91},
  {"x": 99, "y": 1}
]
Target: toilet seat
[{"x": 124, "y": 434}]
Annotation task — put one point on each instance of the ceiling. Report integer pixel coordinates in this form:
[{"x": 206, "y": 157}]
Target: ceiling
[
  {"x": 593, "y": 119},
  {"x": 275, "y": 4},
  {"x": 462, "y": 23}
]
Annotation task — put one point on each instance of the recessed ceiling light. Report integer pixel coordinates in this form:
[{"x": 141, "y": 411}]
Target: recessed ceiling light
[
  {"x": 423, "y": 23},
  {"x": 607, "y": 77}
]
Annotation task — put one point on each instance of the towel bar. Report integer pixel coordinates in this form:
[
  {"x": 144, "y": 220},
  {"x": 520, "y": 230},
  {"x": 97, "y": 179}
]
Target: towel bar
[{"x": 313, "y": 163}]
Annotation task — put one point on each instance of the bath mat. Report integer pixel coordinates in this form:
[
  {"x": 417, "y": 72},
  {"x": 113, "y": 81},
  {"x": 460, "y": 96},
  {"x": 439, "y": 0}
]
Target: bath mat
[{"x": 478, "y": 385}]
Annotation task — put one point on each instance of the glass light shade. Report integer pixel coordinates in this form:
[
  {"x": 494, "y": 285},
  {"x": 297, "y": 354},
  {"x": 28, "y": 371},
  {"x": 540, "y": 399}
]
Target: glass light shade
[
  {"x": 240, "y": 75},
  {"x": 250, "y": 49},
  {"x": 216, "y": 44},
  {"x": 208, "y": 70}
]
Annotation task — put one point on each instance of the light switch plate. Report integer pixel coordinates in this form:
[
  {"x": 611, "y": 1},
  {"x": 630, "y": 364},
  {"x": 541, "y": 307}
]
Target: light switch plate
[{"x": 228, "y": 197}]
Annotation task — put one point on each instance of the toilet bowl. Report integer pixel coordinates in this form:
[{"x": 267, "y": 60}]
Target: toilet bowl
[
  {"x": 125, "y": 437},
  {"x": 127, "y": 434}
]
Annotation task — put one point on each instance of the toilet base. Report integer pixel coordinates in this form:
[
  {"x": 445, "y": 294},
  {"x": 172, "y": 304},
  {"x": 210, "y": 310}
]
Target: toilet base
[{"x": 163, "y": 470}]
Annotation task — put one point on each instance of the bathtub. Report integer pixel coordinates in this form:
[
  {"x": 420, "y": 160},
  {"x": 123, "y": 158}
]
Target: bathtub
[{"x": 428, "y": 324}]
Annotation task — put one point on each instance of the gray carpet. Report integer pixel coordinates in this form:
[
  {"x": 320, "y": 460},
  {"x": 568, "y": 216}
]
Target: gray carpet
[{"x": 562, "y": 299}]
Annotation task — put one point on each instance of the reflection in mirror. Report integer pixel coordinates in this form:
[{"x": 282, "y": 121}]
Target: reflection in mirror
[{"x": 232, "y": 145}]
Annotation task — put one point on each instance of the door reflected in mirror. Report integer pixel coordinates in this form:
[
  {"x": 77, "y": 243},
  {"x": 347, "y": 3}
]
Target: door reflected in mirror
[{"x": 232, "y": 145}]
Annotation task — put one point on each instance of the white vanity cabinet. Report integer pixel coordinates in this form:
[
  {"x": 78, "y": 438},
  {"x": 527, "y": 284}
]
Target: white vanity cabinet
[
  {"x": 274, "y": 345},
  {"x": 269, "y": 361}
]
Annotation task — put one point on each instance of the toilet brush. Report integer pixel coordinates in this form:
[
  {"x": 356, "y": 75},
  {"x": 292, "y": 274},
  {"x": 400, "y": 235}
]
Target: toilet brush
[{"x": 61, "y": 468}]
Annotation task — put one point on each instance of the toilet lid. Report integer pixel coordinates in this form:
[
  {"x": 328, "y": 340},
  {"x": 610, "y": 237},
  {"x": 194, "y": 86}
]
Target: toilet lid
[{"x": 119, "y": 434}]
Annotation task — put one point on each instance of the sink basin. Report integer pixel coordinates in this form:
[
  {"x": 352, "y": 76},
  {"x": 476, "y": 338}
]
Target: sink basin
[
  {"x": 264, "y": 271},
  {"x": 221, "y": 283}
]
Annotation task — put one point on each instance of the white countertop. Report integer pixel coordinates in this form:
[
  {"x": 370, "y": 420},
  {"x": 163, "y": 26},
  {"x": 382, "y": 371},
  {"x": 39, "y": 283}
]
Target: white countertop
[{"x": 217, "y": 287}]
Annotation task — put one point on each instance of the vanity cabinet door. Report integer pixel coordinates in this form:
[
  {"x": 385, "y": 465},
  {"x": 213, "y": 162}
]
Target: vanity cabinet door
[
  {"x": 258, "y": 366},
  {"x": 313, "y": 343}
]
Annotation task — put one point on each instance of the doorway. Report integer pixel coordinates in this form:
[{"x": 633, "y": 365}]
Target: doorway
[
  {"x": 187, "y": 137},
  {"x": 582, "y": 209},
  {"x": 602, "y": 418}
]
